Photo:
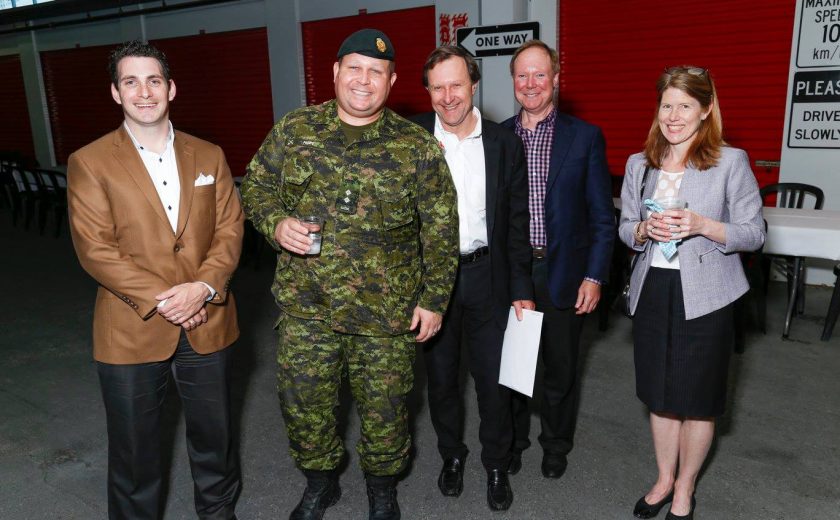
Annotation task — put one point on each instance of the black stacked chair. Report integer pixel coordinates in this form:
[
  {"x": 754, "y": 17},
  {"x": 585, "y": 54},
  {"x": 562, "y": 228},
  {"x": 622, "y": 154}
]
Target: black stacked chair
[
  {"x": 790, "y": 195},
  {"x": 27, "y": 195},
  {"x": 9, "y": 192},
  {"x": 793, "y": 194},
  {"x": 833, "y": 307},
  {"x": 53, "y": 198},
  {"x": 7, "y": 182}
]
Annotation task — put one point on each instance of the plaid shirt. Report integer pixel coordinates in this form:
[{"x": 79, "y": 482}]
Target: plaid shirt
[{"x": 538, "y": 152}]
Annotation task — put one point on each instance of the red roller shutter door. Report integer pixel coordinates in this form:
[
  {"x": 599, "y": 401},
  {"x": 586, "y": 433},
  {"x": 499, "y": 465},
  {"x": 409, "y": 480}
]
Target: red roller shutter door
[
  {"x": 78, "y": 97},
  {"x": 223, "y": 92},
  {"x": 15, "y": 129},
  {"x": 613, "y": 52},
  {"x": 411, "y": 31}
]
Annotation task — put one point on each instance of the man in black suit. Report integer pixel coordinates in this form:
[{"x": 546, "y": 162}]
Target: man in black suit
[{"x": 487, "y": 164}]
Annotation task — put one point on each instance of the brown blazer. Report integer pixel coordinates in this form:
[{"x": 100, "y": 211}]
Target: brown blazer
[{"x": 125, "y": 242}]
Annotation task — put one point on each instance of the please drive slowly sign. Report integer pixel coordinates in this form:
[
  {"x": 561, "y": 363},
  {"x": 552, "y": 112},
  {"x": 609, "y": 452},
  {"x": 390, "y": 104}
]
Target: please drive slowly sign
[{"x": 815, "y": 110}]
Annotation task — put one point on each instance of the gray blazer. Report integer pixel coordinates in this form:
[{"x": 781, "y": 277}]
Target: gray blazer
[{"x": 711, "y": 273}]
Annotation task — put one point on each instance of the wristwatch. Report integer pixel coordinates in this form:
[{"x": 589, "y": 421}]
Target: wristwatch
[{"x": 638, "y": 233}]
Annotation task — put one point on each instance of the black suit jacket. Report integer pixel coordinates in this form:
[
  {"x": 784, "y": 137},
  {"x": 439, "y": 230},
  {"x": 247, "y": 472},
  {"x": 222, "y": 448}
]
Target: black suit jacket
[{"x": 508, "y": 217}]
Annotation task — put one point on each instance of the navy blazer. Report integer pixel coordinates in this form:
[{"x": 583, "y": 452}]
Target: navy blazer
[
  {"x": 507, "y": 214},
  {"x": 579, "y": 214}
]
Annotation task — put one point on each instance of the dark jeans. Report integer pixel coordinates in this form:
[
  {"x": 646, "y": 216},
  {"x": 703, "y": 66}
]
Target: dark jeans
[
  {"x": 559, "y": 349},
  {"x": 133, "y": 396},
  {"x": 470, "y": 321}
]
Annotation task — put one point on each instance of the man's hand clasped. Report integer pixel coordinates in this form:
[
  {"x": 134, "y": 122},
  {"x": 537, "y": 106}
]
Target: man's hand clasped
[{"x": 184, "y": 304}]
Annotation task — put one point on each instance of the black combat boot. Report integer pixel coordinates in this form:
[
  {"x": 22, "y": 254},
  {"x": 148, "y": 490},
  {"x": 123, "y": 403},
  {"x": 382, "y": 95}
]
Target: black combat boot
[
  {"x": 382, "y": 498},
  {"x": 322, "y": 491}
]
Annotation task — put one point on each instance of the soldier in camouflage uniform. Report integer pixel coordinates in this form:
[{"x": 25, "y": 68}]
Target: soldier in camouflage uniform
[{"x": 386, "y": 266}]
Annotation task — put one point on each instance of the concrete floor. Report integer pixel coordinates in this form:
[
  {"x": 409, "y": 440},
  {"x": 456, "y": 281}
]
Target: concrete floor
[{"x": 776, "y": 456}]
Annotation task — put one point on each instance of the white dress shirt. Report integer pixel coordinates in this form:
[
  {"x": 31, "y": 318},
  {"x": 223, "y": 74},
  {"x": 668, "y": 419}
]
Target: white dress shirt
[
  {"x": 163, "y": 169},
  {"x": 465, "y": 158}
]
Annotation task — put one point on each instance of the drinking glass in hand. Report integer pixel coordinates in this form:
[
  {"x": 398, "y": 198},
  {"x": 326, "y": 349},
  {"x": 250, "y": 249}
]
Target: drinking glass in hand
[{"x": 313, "y": 223}]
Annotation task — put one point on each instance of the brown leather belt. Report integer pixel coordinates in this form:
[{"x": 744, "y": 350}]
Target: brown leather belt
[
  {"x": 475, "y": 255},
  {"x": 539, "y": 252}
]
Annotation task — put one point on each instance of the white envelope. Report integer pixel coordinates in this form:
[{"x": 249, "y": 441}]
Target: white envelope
[
  {"x": 520, "y": 351},
  {"x": 204, "y": 180}
]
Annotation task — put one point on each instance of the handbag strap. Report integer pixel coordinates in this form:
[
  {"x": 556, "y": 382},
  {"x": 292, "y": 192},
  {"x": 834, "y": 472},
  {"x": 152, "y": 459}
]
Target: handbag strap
[
  {"x": 642, "y": 191},
  {"x": 641, "y": 210}
]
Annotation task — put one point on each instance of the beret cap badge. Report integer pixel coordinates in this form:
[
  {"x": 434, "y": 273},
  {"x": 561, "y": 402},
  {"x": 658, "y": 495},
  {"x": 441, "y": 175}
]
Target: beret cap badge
[{"x": 372, "y": 43}]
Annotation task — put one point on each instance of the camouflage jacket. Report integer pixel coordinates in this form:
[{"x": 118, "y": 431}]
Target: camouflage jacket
[{"x": 398, "y": 249}]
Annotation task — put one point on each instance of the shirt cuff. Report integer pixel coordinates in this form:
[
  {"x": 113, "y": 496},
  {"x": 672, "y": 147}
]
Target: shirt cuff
[
  {"x": 212, "y": 291},
  {"x": 593, "y": 280}
]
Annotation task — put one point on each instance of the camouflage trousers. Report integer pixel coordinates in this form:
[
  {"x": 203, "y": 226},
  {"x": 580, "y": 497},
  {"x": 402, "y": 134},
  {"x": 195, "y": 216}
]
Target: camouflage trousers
[{"x": 312, "y": 359}]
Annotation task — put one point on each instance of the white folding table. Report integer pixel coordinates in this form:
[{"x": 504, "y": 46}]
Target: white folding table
[{"x": 801, "y": 233}]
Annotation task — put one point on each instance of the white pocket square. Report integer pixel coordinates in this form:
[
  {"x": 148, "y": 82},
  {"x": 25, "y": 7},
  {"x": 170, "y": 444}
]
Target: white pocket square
[{"x": 204, "y": 180}]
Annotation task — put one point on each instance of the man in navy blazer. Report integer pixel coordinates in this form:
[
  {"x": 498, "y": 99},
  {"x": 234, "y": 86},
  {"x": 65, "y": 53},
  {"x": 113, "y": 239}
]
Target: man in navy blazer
[
  {"x": 487, "y": 163},
  {"x": 572, "y": 231}
]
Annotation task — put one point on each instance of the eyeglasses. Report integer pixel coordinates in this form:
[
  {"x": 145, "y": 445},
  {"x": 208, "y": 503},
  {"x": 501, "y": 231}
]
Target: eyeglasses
[{"x": 694, "y": 71}]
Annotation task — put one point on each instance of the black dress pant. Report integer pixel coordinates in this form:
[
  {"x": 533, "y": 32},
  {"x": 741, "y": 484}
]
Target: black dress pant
[
  {"x": 559, "y": 350},
  {"x": 470, "y": 321},
  {"x": 134, "y": 395}
]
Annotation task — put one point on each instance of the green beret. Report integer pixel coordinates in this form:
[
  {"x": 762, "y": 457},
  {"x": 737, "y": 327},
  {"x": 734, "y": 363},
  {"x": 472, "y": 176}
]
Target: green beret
[{"x": 368, "y": 42}]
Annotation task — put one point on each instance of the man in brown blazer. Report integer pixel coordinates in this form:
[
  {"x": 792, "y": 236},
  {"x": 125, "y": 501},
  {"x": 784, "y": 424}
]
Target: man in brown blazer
[{"x": 156, "y": 221}]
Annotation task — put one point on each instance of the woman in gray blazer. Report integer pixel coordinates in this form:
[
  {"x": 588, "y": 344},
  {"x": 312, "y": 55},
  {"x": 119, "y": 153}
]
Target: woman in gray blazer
[{"x": 682, "y": 298}]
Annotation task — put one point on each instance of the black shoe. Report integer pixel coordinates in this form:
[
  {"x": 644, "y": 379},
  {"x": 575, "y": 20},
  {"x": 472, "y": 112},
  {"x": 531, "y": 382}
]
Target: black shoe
[
  {"x": 451, "y": 479},
  {"x": 382, "y": 498},
  {"x": 322, "y": 491},
  {"x": 689, "y": 516},
  {"x": 499, "y": 494},
  {"x": 553, "y": 465},
  {"x": 645, "y": 510},
  {"x": 515, "y": 463}
]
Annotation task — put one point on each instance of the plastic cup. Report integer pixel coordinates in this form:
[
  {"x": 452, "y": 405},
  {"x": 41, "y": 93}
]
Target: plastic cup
[{"x": 672, "y": 203}]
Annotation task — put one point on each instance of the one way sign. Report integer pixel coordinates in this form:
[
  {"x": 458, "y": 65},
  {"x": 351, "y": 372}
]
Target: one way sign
[{"x": 496, "y": 40}]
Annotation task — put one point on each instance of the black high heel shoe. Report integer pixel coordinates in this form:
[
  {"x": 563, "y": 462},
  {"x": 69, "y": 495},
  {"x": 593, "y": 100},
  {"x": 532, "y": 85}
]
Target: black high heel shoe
[
  {"x": 689, "y": 516},
  {"x": 645, "y": 510}
]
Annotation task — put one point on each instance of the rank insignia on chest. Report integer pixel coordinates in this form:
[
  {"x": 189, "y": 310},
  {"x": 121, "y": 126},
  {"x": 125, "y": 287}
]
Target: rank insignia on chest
[{"x": 348, "y": 198}]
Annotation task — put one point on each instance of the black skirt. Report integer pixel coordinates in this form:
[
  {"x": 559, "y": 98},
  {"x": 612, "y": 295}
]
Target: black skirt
[{"x": 681, "y": 365}]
